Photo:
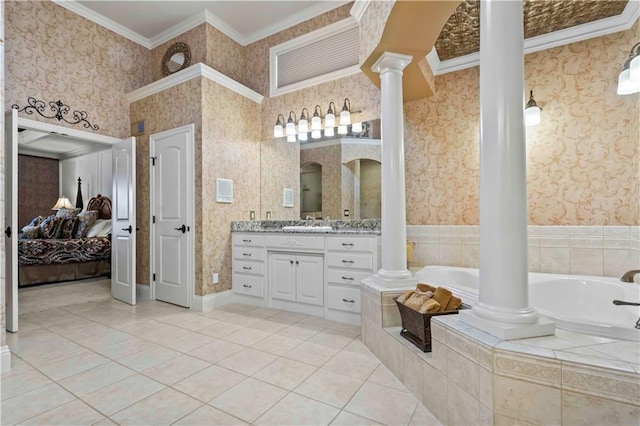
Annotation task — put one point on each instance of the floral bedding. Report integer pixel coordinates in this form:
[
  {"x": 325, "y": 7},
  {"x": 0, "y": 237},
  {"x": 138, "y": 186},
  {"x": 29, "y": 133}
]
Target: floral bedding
[{"x": 58, "y": 251}]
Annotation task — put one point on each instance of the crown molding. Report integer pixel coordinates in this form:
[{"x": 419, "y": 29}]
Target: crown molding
[
  {"x": 180, "y": 28},
  {"x": 100, "y": 19},
  {"x": 359, "y": 8},
  {"x": 598, "y": 28},
  {"x": 194, "y": 71},
  {"x": 317, "y": 9}
]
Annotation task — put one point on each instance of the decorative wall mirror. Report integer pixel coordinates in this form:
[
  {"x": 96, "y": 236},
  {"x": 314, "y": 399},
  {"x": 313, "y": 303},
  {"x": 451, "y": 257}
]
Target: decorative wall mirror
[{"x": 176, "y": 58}]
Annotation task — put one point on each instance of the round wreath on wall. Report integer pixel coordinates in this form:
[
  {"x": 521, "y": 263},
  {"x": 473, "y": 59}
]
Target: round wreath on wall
[{"x": 176, "y": 58}]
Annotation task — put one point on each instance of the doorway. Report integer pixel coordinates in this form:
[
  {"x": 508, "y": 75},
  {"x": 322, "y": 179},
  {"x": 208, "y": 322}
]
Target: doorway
[{"x": 172, "y": 200}]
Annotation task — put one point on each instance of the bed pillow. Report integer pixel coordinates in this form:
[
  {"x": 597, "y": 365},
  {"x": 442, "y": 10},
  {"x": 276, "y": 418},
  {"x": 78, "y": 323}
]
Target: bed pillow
[
  {"x": 85, "y": 220},
  {"x": 31, "y": 232},
  {"x": 106, "y": 230},
  {"x": 97, "y": 227},
  {"x": 50, "y": 227},
  {"x": 68, "y": 228},
  {"x": 35, "y": 221},
  {"x": 67, "y": 213}
]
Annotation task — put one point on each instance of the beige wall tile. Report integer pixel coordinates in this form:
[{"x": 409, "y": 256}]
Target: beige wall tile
[
  {"x": 601, "y": 382},
  {"x": 435, "y": 393},
  {"x": 486, "y": 415},
  {"x": 413, "y": 374},
  {"x": 526, "y": 401},
  {"x": 463, "y": 372},
  {"x": 533, "y": 369},
  {"x": 587, "y": 261},
  {"x": 555, "y": 260},
  {"x": 485, "y": 387},
  {"x": 588, "y": 410},
  {"x": 463, "y": 408}
]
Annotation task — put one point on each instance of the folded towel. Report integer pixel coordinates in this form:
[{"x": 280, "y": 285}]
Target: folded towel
[
  {"x": 454, "y": 303},
  {"x": 430, "y": 306},
  {"x": 442, "y": 296},
  {"x": 407, "y": 294},
  {"x": 416, "y": 301},
  {"x": 425, "y": 287}
]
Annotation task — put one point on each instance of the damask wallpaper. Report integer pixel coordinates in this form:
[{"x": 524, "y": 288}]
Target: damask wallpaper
[
  {"x": 53, "y": 54},
  {"x": 583, "y": 158},
  {"x": 38, "y": 192},
  {"x": 195, "y": 38}
]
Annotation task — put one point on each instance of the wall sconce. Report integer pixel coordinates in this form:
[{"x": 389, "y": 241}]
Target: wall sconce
[
  {"x": 278, "y": 131},
  {"x": 532, "y": 112},
  {"x": 345, "y": 114},
  {"x": 291, "y": 124},
  {"x": 303, "y": 124},
  {"x": 62, "y": 203},
  {"x": 629, "y": 78}
]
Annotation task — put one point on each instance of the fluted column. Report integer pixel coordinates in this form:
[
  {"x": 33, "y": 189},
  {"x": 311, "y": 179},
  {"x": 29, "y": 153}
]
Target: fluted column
[
  {"x": 394, "y": 222},
  {"x": 503, "y": 308}
]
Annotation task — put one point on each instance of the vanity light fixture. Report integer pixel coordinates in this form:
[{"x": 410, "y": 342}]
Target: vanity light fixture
[
  {"x": 278, "y": 131},
  {"x": 342, "y": 129},
  {"x": 356, "y": 127},
  {"x": 330, "y": 118},
  {"x": 629, "y": 78},
  {"x": 316, "y": 134},
  {"x": 532, "y": 112},
  {"x": 328, "y": 132},
  {"x": 303, "y": 124},
  {"x": 291, "y": 125},
  {"x": 302, "y": 136},
  {"x": 291, "y": 138},
  {"x": 345, "y": 114},
  {"x": 316, "y": 121},
  {"x": 62, "y": 203}
]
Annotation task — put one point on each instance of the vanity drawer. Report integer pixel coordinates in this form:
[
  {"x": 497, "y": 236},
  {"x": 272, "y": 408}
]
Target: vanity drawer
[
  {"x": 351, "y": 244},
  {"x": 343, "y": 298},
  {"x": 350, "y": 261},
  {"x": 248, "y": 284},
  {"x": 248, "y": 240},
  {"x": 248, "y": 253},
  {"x": 244, "y": 267},
  {"x": 297, "y": 242},
  {"x": 346, "y": 276}
]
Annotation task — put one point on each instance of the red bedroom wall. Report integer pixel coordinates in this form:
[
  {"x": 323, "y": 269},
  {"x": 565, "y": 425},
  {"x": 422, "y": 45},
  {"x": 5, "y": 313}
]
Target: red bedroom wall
[{"x": 38, "y": 187}]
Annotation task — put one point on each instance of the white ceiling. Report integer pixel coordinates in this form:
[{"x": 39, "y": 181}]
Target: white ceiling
[
  {"x": 52, "y": 145},
  {"x": 152, "y": 22}
]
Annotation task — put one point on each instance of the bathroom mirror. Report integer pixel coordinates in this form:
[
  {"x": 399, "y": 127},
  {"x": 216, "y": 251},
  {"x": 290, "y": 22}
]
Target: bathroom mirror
[{"x": 176, "y": 58}]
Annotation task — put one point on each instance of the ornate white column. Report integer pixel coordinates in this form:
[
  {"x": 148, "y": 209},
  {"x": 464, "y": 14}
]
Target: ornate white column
[
  {"x": 394, "y": 270},
  {"x": 503, "y": 309}
]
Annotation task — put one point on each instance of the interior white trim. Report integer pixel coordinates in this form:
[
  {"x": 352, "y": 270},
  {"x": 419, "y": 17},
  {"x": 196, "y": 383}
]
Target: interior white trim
[
  {"x": 210, "y": 301},
  {"x": 40, "y": 126},
  {"x": 340, "y": 141},
  {"x": 294, "y": 19},
  {"x": 5, "y": 359},
  {"x": 359, "y": 8},
  {"x": 100, "y": 19},
  {"x": 194, "y": 71},
  {"x": 305, "y": 40},
  {"x": 599, "y": 28},
  {"x": 143, "y": 292}
]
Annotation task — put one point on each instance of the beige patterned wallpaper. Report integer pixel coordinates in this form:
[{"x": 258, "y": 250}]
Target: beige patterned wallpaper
[
  {"x": 195, "y": 38},
  {"x": 583, "y": 159},
  {"x": 329, "y": 157},
  {"x": 372, "y": 26},
  {"x": 53, "y": 54}
]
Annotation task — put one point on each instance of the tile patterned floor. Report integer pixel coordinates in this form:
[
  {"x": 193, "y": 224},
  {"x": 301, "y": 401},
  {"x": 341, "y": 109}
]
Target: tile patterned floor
[{"x": 104, "y": 362}]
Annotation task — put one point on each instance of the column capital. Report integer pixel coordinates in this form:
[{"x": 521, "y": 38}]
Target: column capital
[{"x": 391, "y": 61}]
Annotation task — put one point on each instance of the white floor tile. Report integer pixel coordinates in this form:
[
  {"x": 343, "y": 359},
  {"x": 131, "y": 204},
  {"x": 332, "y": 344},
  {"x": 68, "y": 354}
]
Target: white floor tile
[
  {"x": 117, "y": 396},
  {"x": 216, "y": 351},
  {"x": 96, "y": 378},
  {"x": 176, "y": 369},
  {"x": 209, "y": 383},
  {"x": 298, "y": 410},
  {"x": 285, "y": 373},
  {"x": 73, "y": 413},
  {"x": 33, "y": 403},
  {"x": 331, "y": 388},
  {"x": 207, "y": 415},
  {"x": 311, "y": 353},
  {"x": 248, "y": 361},
  {"x": 382, "y": 404},
  {"x": 249, "y": 400},
  {"x": 163, "y": 408}
]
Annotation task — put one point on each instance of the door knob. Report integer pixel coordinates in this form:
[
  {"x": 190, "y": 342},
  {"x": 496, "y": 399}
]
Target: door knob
[
  {"x": 8, "y": 232},
  {"x": 183, "y": 228},
  {"x": 130, "y": 229}
]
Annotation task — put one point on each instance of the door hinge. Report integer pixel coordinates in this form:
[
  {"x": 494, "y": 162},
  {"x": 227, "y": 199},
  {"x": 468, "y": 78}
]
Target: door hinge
[
  {"x": 153, "y": 160},
  {"x": 154, "y": 277},
  {"x": 153, "y": 219}
]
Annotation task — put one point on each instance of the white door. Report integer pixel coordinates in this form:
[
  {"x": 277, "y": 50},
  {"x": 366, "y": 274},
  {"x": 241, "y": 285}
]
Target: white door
[
  {"x": 282, "y": 276},
  {"x": 172, "y": 189},
  {"x": 11, "y": 219},
  {"x": 123, "y": 237},
  {"x": 309, "y": 280}
]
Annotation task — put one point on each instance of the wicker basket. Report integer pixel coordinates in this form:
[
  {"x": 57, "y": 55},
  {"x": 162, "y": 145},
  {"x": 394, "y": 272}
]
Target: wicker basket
[{"x": 416, "y": 327}]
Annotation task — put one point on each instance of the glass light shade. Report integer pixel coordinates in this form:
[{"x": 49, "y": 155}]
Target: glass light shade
[
  {"x": 328, "y": 132},
  {"x": 291, "y": 138},
  {"x": 303, "y": 125},
  {"x": 316, "y": 123},
  {"x": 302, "y": 137},
  {"x": 316, "y": 134},
  {"x": 278, "y": 131},
  {"x": 291, "y": 129},
  {"x": 329, "y": 121},
  {"x": 62, "y": 203},
  {"x": 356, "y": 127},
  {"x": 345, "y": 118},
  {"x": 532, "y": 116},
  {"x": 625, "y": 85},
  {"x": 342, "y": 129},
  {"x": 634, "y": 70}
]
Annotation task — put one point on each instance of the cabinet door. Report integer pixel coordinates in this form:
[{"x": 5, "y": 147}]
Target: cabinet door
[
  {"x": 309, "y": 280},
  {"x": 282, "y": 276}
]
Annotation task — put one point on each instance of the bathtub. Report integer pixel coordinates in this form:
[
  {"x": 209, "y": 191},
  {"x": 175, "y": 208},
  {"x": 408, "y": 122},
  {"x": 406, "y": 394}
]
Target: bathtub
[{"x": 580, "y": 303}]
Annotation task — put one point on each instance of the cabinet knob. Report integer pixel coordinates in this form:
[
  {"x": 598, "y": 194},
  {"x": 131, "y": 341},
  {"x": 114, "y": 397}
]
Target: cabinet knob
[
  {"x": 247, "y": 268},
  {"x": 348, "y": 278},
  {"x": 347, "y": 261},
  {"x": 246, "y": 286},
  {"x": 246, "y": 254},
  {"x": 297, "y": 263},
  {"x": 348, "y": 300},
  {"x": 291, "y": 261},
  {"x": 347, "y": 244},
  {"x": 246, "y": 241}
]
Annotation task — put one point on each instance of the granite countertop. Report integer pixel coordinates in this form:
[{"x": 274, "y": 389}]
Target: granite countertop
[{"x": 364, "y": 226}]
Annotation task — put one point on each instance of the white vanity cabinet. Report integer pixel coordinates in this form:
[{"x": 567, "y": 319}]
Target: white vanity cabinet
[{"x": 313, "y": 274}]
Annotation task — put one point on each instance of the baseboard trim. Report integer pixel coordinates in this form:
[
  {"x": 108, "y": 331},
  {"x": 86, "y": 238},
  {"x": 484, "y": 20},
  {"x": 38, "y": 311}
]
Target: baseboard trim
[
  {"x": 143, "y": 292},
  {"x": 5, "y": 358},
  {"x": 211, "y": 301}
]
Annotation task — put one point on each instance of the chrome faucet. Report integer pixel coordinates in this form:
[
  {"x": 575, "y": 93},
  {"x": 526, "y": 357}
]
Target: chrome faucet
[
  {"x": 627, "y": 277},
  {"x": 623, "y": 303}
]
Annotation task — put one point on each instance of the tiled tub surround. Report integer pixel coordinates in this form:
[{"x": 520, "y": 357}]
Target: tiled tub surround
[
  {"x": 578, "y": 250},
  {"x": 472, "y": 377},
  {"x": 363, "y": 226}
]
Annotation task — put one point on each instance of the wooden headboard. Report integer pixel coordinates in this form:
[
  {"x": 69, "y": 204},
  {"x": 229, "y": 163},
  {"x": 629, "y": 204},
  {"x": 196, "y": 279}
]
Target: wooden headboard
[{"x": 102, "y": 205}]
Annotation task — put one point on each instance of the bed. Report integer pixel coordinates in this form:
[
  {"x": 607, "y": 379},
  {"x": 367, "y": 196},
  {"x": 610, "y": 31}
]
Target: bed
[{"x": 47, "y": 260}]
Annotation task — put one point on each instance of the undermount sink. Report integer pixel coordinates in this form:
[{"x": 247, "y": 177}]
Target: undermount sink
[{"x": 306, "y": 228}]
